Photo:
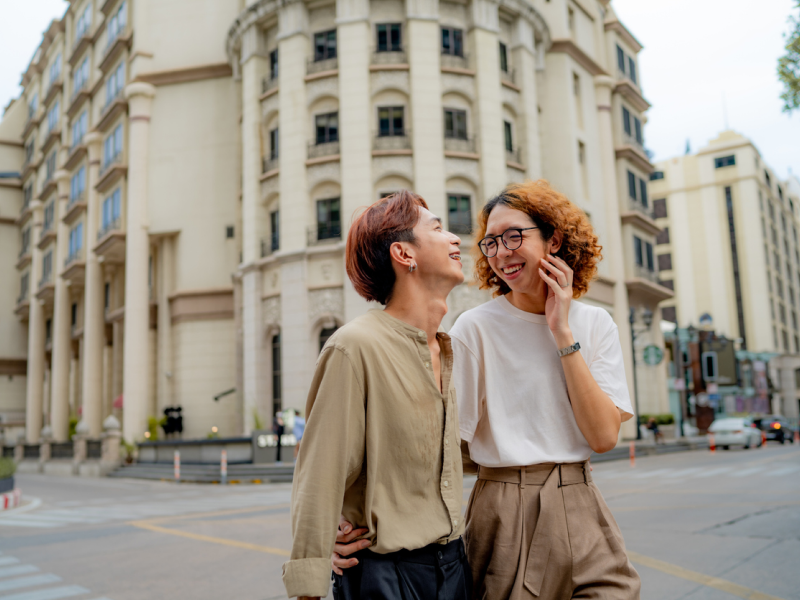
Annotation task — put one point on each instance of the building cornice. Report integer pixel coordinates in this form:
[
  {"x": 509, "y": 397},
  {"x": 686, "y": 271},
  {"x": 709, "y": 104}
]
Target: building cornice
[
  {"x": 579, "y": 56},
  {"x": 626, "y": 35},
  {"x": 198, "y": 73}
]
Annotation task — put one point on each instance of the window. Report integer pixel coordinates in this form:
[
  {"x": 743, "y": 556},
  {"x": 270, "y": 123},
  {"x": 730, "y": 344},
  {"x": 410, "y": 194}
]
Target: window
[
  {"x": 115, "y": 82},
  {"x": 767, "y": 179},
  {"x": 391, "y": 121},
  {"x": 668, "y": 283},
  {"x": 780, "y": 192},
  {"x": 325, "y": 335},
  {"x": 107, "y": 295},
  {"x": 26, "y": 240},
  {"x": 771, "y": 210},
  {"x": 29, "y": 151},
  {"x": 327, "y": 127},
  {"x": 116, "y": 23},
  {"x": 229, "y": 232},
  {"x": 75, "y": 240},
  {"x": 663, "y": 236},
  {"x": 112, "y": 207},
  {"x": 83, "y": 22},
  {"x": 74, "y": 314},
  {"x": 631, "y": 185},
  {"x": 276, "y": 373},
  {"x": 28, "y": 194},
  {"x": 273, "y": 64},
  {"x": 23, "y": 285},
  {"x": 669, "y": 313},
  {"x": 48, "y": 331},
  {"x": 503, "y": 58},
  {"x": 52, "y": 117},
  {"x": 49, "y": 216},
  {"x": 656, "y": 175},
  {"x": 274, "y": 230},
  {"x": 389, "y": 38},
  {"x": 626, "y": 120},
  {"x": 725, "y": 161},
  {"x": 643, "y": 192},
  {"x": 273, "y": 144},
  {"x": 77, "y": 185},
  {"x": 632, "y": 70},
  {"x": 660, "y": 208},
  {"x": 571, "y": 20},
  {"x": 648, "y": 254},
  {"x": 459, "y": 213},
  {"x": 638, "y": 250},
  {"x": 79, "y": 128},
  {"x": 452, "y": 41},
  {"x": 620, "y": 58},
  {"x": 576, "y": 93},
  {"x": 47, "y": 266},
  {"x": 508, "y": 137},
  {"x": 50, "y": 166},
  {"x": 455, "y": 123},
  {"x": 329, "y": 224},
  {"x": 774, "y": 235},
  {"x": 112, "y": 146},
  {"x": 779, "y": 285},
  {"x": 664, "y": 262},
  {"x": 55, "y": 69},
  {"x": 782, "y": 312},
  {"x": 637, "y": 128},
  {"x": 33, "y": 105},
  {"x": 325, "y": 45}
]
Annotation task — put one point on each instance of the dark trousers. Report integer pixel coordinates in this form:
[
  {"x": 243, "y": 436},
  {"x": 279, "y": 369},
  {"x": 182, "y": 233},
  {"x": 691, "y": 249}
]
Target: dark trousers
[{"x": 435, "y": 572}]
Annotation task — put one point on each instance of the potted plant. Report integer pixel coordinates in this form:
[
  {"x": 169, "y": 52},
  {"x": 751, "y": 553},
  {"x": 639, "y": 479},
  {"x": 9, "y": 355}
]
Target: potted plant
[{"x": 7, "y": 468}]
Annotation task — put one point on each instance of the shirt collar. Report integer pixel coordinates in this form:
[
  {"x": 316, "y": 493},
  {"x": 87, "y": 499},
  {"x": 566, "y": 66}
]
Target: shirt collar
[{"x": 406, "y": 329}]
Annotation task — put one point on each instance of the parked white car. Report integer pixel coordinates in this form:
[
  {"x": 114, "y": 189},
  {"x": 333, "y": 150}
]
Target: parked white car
[{"x": 735, "y": 431}]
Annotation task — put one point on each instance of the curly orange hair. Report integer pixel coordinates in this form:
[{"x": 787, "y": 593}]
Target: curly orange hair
[{"x": 551, "y": 211}]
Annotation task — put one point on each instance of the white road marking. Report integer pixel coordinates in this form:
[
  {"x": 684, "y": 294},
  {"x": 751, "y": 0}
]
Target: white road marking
[
  {"x": 8, "y": 560},
  {"x": 783, "y": 471},
  {"x": 18, "y": 570},
  {"x": 23, "y": 582},
  {"x": 66, "y": 591}
]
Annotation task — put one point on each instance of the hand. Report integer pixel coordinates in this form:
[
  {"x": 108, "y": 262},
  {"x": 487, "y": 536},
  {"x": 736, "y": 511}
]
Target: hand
[
  {"x": 558, "y": 276},
  {"x": 345, "y": 546},
  {"x": 308, "y": 598}
]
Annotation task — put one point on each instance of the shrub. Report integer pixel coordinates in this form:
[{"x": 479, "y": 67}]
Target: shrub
[{"x": 7, "y": 468}]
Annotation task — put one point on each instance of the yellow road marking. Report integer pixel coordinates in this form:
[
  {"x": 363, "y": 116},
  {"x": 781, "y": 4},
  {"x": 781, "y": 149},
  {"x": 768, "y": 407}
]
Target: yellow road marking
[
  {"x": 208, "y": 538},
  {"x": 218, "y": 513},
  {"x": 685, "y": 506},
  {"x": 713, "y": 582}
]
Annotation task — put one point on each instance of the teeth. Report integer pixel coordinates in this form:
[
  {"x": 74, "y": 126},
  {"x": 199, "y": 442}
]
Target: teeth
[
  {"x": 456, "y": 257},
  {"x": 510, "y": 270}
]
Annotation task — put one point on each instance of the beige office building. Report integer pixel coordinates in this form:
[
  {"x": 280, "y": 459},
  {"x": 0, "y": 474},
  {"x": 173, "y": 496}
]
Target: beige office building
[{"x": 185, "y": 193}]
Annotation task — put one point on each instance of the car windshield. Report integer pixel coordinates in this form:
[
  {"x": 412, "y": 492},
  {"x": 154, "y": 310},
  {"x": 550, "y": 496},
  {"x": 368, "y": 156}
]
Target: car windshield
[{"x": 727, "y": 424}]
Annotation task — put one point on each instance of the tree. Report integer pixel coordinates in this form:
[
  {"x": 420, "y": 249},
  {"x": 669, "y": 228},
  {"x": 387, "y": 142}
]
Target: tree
[{"x": 789, "y": 66}]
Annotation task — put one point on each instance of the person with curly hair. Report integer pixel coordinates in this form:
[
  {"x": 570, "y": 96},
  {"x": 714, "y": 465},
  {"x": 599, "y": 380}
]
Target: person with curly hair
[{"x": 541, "y": 384}]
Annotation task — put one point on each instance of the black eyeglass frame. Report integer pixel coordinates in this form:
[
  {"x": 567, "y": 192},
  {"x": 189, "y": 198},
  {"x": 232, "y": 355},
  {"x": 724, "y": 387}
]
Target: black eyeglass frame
[{"x": 502, "y": 239}]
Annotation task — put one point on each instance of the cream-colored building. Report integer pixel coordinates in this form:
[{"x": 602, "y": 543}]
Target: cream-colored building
[
  {"x": 730, "y": 244},
  {"x": 194, "y": 218}
]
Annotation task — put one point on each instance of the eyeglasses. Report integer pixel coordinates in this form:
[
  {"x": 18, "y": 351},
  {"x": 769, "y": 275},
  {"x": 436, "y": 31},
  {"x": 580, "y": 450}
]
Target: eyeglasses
[{"x": 512, "y": 239}]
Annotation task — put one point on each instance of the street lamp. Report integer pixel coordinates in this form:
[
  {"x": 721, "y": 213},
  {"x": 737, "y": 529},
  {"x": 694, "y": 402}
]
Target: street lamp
[{"x": 647, "y": 319}]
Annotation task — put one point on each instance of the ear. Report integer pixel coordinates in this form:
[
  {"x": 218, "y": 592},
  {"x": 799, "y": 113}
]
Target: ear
[
  {"x": 554, "y": 245},
  {"x": 403, "y": 255}
]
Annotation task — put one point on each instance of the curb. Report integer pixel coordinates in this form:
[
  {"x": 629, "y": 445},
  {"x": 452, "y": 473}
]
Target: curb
[{"x": 10, "y": 499}]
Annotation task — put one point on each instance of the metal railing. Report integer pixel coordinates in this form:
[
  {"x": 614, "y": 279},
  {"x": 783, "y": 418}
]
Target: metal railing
[
  {"x": 395, "y": 141},
  {"x": 269, "y": 164},
  {"x": 508, "y": 76},
  {"x": 623, "y": 75},
  {"x": 76, "y": 143},
  {"x": 46, "y": 279},
  {"x": 632, "y": 141},
  {"x": 455, "y": 144},
  {"x": 389, "y": 57},
  {"x": 77, "y": 91},
  {"x": 269, "y": 244},
  {"x": 62, "y": 450},
  {"x": 75, "y": 199},
  {"x": 324, "y": 149},
  {"x": 325, "y": 233},
  {"x": 51, "y": 84},
  {"x": 74, "y": 257},
  {"x": 47, "y": 229},
  {"x": 268, "y": 83},
  {"x": 108, "y": 228},
  {"x": 23, "y": 296},
  {"x": 110, "y": 99},
  {"x": 455, "y": 61},
  {"x": 30, "y": 451},
  {"x": 94, "y": 449},
  {"x": 645, "y": 273},
  {"x": 114, "y": 160},
  {"x": 25, "y": 249},
  {"x": 641, "y": 208},
  {"x": 514, "y": 156},
  {"x": 318, "y": 66}
]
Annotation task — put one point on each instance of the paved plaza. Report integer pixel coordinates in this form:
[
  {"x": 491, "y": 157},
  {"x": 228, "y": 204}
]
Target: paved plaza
[{"x": 697, "y": 526}]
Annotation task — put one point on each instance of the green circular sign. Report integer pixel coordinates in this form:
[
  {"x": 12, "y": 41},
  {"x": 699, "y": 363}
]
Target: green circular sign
[{"x": 653, "y": 355}]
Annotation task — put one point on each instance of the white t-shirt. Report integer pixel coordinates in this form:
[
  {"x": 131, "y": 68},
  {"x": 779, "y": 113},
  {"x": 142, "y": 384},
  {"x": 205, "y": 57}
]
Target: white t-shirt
[{"x": 513, "y": 404}]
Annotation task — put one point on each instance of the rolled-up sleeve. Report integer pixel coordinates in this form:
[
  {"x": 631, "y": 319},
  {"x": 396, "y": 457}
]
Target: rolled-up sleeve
[
  {"x": 608, "y": 366},
  {"x": 329, "y": 462}
]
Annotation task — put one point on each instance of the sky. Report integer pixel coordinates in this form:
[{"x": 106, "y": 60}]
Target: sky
[{"x": 702, "y": 59}]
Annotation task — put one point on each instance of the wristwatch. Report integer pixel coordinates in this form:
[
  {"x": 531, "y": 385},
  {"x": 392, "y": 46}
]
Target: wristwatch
[{"x": 570, "y": 349}]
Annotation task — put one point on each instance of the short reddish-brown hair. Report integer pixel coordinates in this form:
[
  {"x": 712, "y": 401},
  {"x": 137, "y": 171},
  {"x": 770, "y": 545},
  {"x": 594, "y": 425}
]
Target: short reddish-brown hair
[{"x": 367, "y": 261}]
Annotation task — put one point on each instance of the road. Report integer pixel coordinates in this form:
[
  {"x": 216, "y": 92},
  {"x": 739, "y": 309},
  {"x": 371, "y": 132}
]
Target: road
[{"x": 697, "y": 526}]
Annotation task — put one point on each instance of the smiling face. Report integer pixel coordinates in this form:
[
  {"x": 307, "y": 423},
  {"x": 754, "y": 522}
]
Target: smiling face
[
  {"x": 437, "y": 252},
  {"x": 519, "y": 268}
]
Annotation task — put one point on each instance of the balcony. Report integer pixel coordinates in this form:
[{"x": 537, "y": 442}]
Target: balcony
[
  {"x": 78, "y": 46},
  {"x": 111, "y": 242},
  {"x": 30, "y": 166},
  {"x": 76, "y": 100},
  {"x": 76, "y": 153},
  {"x": 113, "y": 49},
  {"x": 456, "y": 64},
  {"x": 32, "y": 122},
  {"x": 324, "y": 150},
  {"x": 269, "y": 245},
  {"x": 75, "y": 206},
  {"x": 24, "y": 258},
  {"x": 111, "y": 172},
  {"x": 269, "y": 166},
  {"x": 74, "y": 269},
  {"x": 509, "y": 78},
  {"x": 52, "y": 90},
  {"x": 22, "y": 307},
  {"x": 114, "y": 106},
  {"x": 645, "y": 286},
  {"x": 48, "y": 186},
  {"x": 46, "y": 289},
  {"x": 398, "y": 143},
  {"x": 48, "y": 235},
  {"x": 645, "y": 273},
  {"x": 53, "y": 136},
  {"x": 514, "y": 158},
  {"x": 388, "y": 61},
  {"x": 631, "y": 91},
  {"x": 329, "y": 65},
  {"x": 461, "y": 147},
  {"x": 268, "y": 84},
  {"x": 639, "y": 216},
  {"x": 325, "y": 233}
]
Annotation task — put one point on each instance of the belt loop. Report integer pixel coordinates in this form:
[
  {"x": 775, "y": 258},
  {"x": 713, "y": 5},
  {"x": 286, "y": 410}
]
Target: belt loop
[
  {"x": 522, "y": 477},
  {"x": 560, "y": 482},
  {"x": 586, "y": 469}
]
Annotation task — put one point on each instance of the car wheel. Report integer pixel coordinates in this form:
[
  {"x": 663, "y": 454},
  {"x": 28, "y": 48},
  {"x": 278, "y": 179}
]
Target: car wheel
[
  {"x": 726, "y": 447},
  {"x": 747, "y": 447}
]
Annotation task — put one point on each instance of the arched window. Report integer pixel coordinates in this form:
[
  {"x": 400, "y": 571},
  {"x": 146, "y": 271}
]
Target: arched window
[
  {"x": 276, "y": 373},
  {"x": 325, "y": 334}
]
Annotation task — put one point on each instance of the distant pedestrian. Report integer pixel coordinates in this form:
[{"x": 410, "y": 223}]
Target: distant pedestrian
[
  {"x": 653, "y": 426},
  {"x": 297, "y": 430},
  {"x": 278, "y": 429}
]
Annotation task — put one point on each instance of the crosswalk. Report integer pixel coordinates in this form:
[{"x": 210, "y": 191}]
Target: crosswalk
[
  {"x": 34, "y": 585},
  {"x": 678, "y": 474},
  {"x": 104, "y": 510}
]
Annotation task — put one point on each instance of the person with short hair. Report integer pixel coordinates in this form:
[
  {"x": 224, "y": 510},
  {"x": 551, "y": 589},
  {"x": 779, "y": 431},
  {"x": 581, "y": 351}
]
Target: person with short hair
[{"x": 381, "y": 442}]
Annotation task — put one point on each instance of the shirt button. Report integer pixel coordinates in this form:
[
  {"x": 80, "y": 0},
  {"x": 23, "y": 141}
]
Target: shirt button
[
  {"x": 427, "y": 365},
  {"x": 421, "y": 334},
  {"x": 447, "y": 442},
  {"x": 440, "y": 555},
  {"x": 455, "y": 522},
  {"x": 445, "y": 484}
]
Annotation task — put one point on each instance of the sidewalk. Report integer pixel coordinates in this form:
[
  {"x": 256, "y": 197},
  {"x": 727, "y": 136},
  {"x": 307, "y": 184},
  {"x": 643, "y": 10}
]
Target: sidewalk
[{"x": 648, "y": 448}]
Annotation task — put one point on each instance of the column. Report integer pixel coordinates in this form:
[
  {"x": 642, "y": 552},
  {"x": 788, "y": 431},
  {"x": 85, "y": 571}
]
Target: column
[
  {"x": 357, "y": 124},
  {"x": 35, "y": 374},
  {"x": 59, "y": 391},
  {"x": 423, "y": 48},
  {"x": 612, "y": 251},
  {"x": 166, "y": 285},
  {"x": 523, "y": 54},
  {"x": 296, "y": 211},
  {"x": 254, "y": 218},
  {"x": 136, "y": 369},
  {"x": 488, "y": 111},
  {"x": 93, "y": 313}
]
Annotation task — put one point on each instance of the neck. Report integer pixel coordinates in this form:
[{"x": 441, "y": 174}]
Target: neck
[
  {"x": 531, "y": 303},
  {"x": 420, "y": 310}
]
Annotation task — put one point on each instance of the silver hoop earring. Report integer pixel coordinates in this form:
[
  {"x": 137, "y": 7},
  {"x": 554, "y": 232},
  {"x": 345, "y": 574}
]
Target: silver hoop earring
[{"x": 412, "y": 268}]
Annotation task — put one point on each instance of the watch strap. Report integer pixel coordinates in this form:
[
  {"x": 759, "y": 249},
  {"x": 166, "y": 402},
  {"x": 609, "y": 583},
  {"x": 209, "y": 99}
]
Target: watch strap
[{"x": 570, "y": 349}]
